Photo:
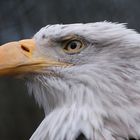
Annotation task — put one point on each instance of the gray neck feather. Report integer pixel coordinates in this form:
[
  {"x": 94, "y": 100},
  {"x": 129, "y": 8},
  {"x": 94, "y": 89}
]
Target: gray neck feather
[{"x": 98, "y": 101}]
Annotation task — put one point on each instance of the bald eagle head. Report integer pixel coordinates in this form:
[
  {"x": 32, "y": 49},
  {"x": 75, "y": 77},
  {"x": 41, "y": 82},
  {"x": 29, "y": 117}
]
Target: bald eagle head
[{"x": 85, "y": 76}]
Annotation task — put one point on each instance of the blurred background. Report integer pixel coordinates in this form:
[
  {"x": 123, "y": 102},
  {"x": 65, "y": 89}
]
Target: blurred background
[{"x": 19, "y": 114}]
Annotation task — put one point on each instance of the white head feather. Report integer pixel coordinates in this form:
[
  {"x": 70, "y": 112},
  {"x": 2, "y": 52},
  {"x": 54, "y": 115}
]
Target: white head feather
[{"x": 100, "y": 95}]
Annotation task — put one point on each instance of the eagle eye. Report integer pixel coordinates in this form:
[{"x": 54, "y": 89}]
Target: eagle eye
[{"x": 73, "y": 46}]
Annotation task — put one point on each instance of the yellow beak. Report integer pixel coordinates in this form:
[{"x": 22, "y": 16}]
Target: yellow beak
[{"x": 19, "y": 58}]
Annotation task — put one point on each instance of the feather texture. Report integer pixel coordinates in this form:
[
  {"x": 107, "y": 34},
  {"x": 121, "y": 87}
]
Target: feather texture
[{"x": 100, "y": 95}]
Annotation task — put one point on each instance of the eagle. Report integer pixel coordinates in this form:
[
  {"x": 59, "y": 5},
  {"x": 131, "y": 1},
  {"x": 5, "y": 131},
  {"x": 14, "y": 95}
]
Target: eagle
[{"x": 85, "y": 76}]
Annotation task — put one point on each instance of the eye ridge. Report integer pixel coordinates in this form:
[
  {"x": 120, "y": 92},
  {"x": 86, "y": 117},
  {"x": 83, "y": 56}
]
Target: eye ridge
[{"x": 73, "y": 46}]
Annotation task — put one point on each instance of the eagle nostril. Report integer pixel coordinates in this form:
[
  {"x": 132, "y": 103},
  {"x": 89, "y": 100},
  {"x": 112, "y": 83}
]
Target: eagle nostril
[
  {"x": 24, "y": 48},
  {"x": 81, "y": 136}
]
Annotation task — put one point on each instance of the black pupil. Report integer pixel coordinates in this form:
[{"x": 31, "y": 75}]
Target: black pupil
[{"x": 73, "y": 45}]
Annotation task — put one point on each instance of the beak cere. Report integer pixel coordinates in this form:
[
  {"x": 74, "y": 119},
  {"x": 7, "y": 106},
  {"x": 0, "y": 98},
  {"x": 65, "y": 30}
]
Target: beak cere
[{"x": 22, "y": 57}]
